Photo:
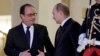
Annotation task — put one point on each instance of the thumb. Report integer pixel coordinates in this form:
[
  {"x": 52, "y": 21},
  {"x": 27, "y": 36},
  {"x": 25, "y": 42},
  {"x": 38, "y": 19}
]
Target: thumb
[
  {"x": 27, "y": 50},
  {"x": 39, "y": 51}
]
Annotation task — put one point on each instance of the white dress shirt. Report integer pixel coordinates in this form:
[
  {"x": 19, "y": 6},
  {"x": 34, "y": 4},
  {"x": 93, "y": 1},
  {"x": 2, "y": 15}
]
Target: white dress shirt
[{"x": 31, "y": 29}]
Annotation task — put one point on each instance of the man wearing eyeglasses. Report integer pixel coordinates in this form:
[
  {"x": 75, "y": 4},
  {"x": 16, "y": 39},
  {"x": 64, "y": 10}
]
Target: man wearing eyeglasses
[{"x": 28, "y": 38}]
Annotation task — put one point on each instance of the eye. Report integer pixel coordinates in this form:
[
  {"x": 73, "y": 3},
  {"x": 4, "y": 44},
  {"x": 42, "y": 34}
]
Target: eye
[{"x": 33, "y": 14}]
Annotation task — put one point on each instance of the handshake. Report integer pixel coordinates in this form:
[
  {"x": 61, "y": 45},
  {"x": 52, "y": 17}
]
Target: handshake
[{"x": 83, "y": 42}]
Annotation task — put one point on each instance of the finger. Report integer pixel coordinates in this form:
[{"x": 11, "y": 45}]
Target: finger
[
  {"x": 28, "y": 54},
  {"x": 39, "y": 51},
  {"x": 38, "y": 55},
  {"x": 27, "y": 50}
]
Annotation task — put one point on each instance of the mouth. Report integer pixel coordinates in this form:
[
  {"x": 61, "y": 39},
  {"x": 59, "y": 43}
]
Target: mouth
[{"x": 32, "y": 20}]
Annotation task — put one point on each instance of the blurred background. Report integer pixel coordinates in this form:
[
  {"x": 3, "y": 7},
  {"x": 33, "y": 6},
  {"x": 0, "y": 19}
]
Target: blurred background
[{"x": 9, "y": 15}]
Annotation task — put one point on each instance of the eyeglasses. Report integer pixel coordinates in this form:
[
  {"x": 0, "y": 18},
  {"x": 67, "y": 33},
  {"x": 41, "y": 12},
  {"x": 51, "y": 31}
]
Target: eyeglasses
[{"x": 30, "y": 15}]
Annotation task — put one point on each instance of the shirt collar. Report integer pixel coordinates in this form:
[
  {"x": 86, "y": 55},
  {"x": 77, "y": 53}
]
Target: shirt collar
[
  {"x": 25, "y": 27},
  {"x": 65, "y": 20}
]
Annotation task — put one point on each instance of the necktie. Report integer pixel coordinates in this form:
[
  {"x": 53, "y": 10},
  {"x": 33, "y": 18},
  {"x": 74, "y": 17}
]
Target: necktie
[{"x": 28, "y": 36}]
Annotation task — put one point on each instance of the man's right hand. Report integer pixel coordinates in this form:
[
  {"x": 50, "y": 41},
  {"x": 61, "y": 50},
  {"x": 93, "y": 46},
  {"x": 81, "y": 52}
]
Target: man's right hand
[{"x": 25, "y": 53}]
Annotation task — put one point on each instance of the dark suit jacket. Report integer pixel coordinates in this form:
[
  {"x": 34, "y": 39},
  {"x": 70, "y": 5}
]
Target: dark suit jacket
[
  {"x": 16, "y": 41},
  {"x": 66, "y": 40}
]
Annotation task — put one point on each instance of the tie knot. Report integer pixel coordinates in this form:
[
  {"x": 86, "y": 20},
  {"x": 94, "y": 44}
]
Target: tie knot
[{"x": 28, "y": 27}]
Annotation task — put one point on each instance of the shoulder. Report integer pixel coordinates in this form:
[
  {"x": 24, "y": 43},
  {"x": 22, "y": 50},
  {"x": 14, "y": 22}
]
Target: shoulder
[
  {"x": 39, "y": 26},
  {"x": 16, "y": 28},
  {"x": 75, "y": 24}
]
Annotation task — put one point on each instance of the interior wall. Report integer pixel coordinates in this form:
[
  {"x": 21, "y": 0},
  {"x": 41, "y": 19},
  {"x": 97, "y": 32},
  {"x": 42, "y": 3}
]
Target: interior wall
[
  {"x": 46, "y": 17},
  {"x": 78, "y": 8},
  {"x": 67, "y": 2},
  {"x": 5, "y": 7},
  {"x": 5, "y": 22}
]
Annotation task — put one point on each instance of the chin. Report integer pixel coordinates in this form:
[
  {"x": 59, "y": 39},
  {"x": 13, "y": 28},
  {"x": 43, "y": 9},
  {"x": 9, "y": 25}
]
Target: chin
[{"x": 32, "y": 23}]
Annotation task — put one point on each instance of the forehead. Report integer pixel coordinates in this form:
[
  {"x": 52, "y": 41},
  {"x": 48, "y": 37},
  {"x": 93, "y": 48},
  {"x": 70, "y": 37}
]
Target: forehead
[{"x": 30, "y": 9}]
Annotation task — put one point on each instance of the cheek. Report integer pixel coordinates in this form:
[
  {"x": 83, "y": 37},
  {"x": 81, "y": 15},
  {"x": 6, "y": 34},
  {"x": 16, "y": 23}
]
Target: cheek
[
  {"x": 56, "y": 19},
  {"x": 55, "y": 16},
  {"x": 34, "y": 17},
  {"x": 25, "y": 19}
]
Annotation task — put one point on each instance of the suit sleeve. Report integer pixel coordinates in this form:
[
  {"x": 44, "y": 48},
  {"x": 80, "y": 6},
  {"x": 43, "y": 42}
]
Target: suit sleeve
[
  {"x": 48, "y": 45},
  {"x": 9, "y": 46}
]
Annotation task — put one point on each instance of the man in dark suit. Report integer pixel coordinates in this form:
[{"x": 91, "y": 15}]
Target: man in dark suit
[
  {"x": 66, "y": 39},
  {"x": 28, "y": 38}
]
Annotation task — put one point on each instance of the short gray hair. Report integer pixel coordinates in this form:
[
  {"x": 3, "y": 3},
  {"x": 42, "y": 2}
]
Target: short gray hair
[{"x": 63, "y": 7}]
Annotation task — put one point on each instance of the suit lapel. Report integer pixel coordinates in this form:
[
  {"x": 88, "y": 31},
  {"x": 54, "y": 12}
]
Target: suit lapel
[
  {"x": 22, "y": 34},
  {"x": 35, "y": 37}
]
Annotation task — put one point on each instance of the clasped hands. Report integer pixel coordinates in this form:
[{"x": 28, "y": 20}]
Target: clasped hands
[{"x": 27, "y": 53}]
